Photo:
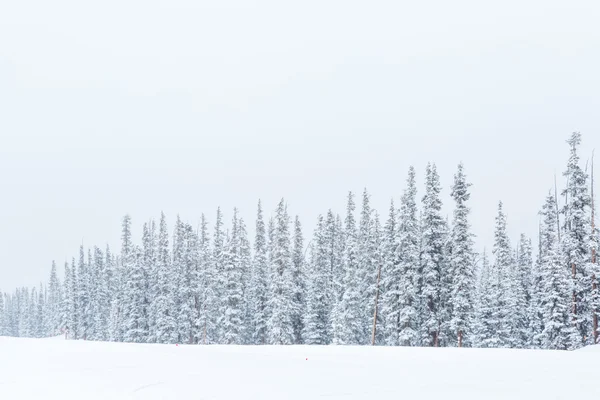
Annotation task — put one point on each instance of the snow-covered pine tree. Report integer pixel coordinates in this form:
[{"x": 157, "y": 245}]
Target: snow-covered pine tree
[
  {"x": 233, "y": 314},
  {"x": 259, "y": 279},
  {"x": 83, "y": 297},
  {"x": 73, "y": 303},
  {"x": 524, "y": 284},
  {"x": 179, "y": 277},
  {"x": 101, "y": 298},
  {"x": 391, "y": 277},
  {"x": 54, "y": 302},
  {"x": 503, "y": 272},
  {"x": 482, "y": 322},
  {"x": 41, "y": 314},
  {"x": 279, "y": 328},
  {"x": 408, "y": 256},
  {"x": 378, "y": 323},
  {"x": 315, "y": 317},
  {"x": 367, "y": 268},
  {"x": 462, "y": 261},
  {"x": 348, "y": 328},
  {"x": 149, "y": 260},
  {"x": 299, "y": 286},
  {"x": 206, "y": 280},
  {"x": 245, "y": 256},
  {"x": 332, "y": 238},
  {"x": 133, "y": 297},
  {"x": 559, "y": 333},
  {"x": 338, "y": 271},
  {"x": 188, "y": 285},
  {"x": 31, "y": 313},
  {"x": 219, "y": 284},
  {"x": 535, "y": 312},
  {"x": 433, "y": 260},
  {"x": 576, "y": 243},
  {"x": 163, "y": 309}
]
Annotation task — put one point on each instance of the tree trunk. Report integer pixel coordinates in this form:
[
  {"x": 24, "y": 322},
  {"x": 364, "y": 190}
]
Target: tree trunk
[{"x": 460, "y": 339}]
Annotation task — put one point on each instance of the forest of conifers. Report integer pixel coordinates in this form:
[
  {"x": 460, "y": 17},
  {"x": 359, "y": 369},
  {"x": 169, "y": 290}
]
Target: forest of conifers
[{"x": 411, "y": 278}]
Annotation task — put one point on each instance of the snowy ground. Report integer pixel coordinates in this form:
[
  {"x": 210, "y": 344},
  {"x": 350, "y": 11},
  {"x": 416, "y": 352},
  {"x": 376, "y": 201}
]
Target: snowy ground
[{"x": 58, "y": 369}]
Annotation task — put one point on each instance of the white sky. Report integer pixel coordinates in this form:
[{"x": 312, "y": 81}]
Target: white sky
[{"x": 141, "y": 106}]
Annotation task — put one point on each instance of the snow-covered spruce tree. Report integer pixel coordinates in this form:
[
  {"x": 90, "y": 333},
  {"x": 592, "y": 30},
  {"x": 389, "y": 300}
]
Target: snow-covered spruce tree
[
  {"x": 134, "y": 318},
  {"x": 505, "y": 307},
  {"x": 333, "y": 257},
  {"x": 483, "y": 321},
  {"x": 149, "y": 261},
  {"x": 40, "y": 319},
  {"x": 576, "y": 242},
  {"x": 432, "y": 260},
  {"x": 31, "y": 313},
  {"x": 338, "y": 270},
  {"x": 206, "y": 279},
  {"x": 83, "y": 297},
  {"x": 188, "y": 285},
  {"x": 524, "y": 284},
  {"x": 163, "y": 308},
  {"x": 257, "y": 297},
  {"x": 535, "y": 312},
  {"x": 367, "y": 269},
  {"x": 101, "y": 298},
  {"x": 390, "y": 280},
  {"x": 72, "y": 304},
  {"x": 348, "y": 328},
  {"x": 233, "y": 295},
  {"x": 462, "y": 261},
  {"x": 115, "y": 280},
  {"x": 245, "y": 255},
  {"x": 179, "y": 276},
  {"x": 279, "y": 328},
  {"x": 299, "y": 285},
  {"x": 377, "y": 320},
  {"x": 559, "y": 333},
  {"x": 408, "y": 256},
  {"x": 218, "y": 259},
  {"x": 315, "y": 317},
  {"x": 54, "y": 302}
]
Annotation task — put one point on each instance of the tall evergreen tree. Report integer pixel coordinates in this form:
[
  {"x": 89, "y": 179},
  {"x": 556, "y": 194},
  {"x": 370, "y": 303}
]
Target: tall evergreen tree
[
  {"x": 163, "y": 307},
  {"x": 576, "y": 243},
  {"x": 219, "y": 268},
  {"x": 462, "y": 260},
  {"x": 433, "y": 259},
  {"x": 233, "y": 295},
  {"x": 206, "y": 281},
  {"x": 558, "y": 332},
  {"x": 391, "y": 280},
  {"x": 367, "y": 267},
  {"x": 299, "y": 287},
  {"x": 348, "y": 327},
  {"x": 316, "y": 318},
  {"x": 280, "y": 327},
  {"x": 54, "y": 302},
  {"x": 259, "y": 279},
  {"x": 523, "y": 294}
]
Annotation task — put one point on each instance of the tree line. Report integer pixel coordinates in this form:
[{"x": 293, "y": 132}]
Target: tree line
[{"x": 413, "y": 280}]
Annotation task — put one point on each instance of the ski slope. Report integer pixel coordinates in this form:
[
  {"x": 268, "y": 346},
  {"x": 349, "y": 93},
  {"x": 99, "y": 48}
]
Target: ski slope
[{"x": 59, "y": 369}]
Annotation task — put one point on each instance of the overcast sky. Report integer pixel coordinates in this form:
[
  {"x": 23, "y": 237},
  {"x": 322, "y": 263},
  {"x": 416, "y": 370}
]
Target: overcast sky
[{"x": 135, "y": 107}]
